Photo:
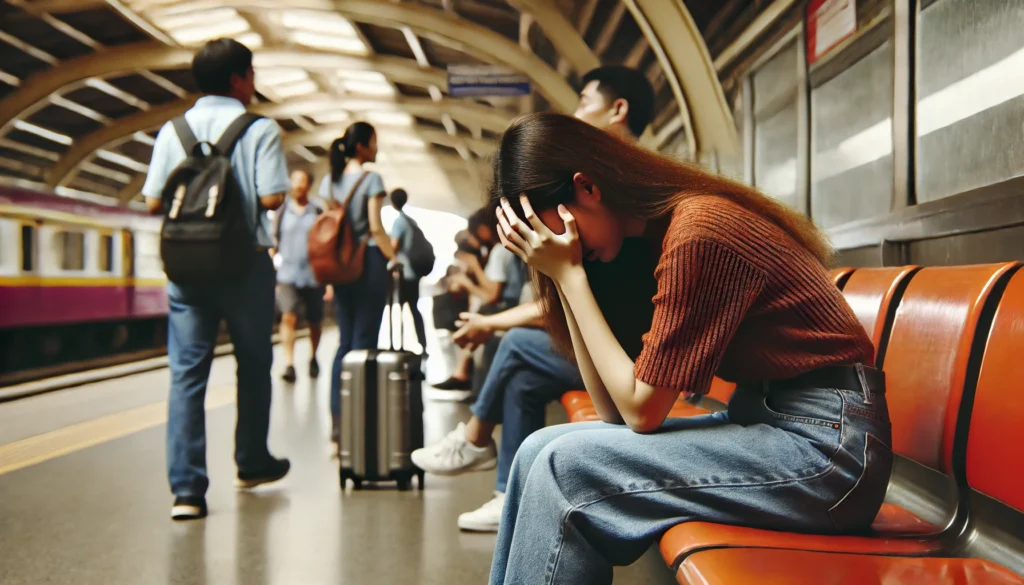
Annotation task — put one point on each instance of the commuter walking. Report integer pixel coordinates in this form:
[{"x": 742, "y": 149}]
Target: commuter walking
[
  {"x": 416, "y": 256},
  {"x": 243, "y": 295},
  {"x": 297, "y": 288},
  {"x": 358, "y": 306}
]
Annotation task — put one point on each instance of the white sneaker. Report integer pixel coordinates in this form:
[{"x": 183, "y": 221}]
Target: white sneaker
[
  {"x": 486, "y": 517},
  {"x": 454, "y": 455},
  {"x": 332, "y": 450}
]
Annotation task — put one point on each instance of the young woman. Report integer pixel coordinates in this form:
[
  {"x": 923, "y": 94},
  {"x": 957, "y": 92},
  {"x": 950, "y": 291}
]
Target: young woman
[
  {"x": 359, "y": 306},
  {"x": 742, "y": 291}
]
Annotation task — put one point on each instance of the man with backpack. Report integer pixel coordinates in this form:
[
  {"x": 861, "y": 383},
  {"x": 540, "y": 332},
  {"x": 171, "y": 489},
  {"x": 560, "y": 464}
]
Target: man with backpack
[
  {"x": 416, "y": 256},
  {"x": 214, "y": 173},
  {"x": 297, "y": 288}
]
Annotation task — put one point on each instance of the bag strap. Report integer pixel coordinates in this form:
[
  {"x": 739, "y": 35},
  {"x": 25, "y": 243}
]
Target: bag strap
[
  {"x": 352, "y": 191},
  {"x": 185, "y": 135},
  {"x": 226, "y": 142}
]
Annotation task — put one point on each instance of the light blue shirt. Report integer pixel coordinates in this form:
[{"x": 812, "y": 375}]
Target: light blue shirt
[
  {"x": 293, "y": 245},
  {"x": 401, "y": 230},
  {"x": 358, "y": 216},
  {"x": 257, "y": 160}
]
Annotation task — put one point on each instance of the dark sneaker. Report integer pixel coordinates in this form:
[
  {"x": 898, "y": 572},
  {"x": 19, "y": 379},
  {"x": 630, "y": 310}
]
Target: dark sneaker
[
  {"x": 289, "y": 374},
  {"x": 455, "y": 384},
  {"x": 188, "y": 508},
  {"x": 275, "y": 470},
  {"x": 314, "y": 368}
]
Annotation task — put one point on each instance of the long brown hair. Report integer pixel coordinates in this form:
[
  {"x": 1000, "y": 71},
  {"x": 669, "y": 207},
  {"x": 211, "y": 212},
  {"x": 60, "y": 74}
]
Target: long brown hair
[{"x": 540, "y": 153}]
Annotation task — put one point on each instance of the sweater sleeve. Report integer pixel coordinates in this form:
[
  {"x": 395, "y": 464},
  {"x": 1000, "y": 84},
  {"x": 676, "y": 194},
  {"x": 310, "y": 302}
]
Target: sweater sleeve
[{"x": 704, "y": 292}]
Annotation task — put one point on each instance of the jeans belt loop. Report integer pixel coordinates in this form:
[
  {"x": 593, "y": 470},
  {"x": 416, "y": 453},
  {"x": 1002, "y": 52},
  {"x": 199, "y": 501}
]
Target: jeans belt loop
[{"x": 865, "y": 388}]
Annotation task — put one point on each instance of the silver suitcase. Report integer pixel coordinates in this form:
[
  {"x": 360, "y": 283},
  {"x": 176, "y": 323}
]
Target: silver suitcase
[{"x": 381, "y": 412}]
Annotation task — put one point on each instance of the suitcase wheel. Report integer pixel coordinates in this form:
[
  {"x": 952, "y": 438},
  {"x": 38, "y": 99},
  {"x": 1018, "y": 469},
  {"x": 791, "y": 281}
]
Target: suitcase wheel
[
  {"x": 357, "y": 483},
  {"x": 405, "y": 483}
]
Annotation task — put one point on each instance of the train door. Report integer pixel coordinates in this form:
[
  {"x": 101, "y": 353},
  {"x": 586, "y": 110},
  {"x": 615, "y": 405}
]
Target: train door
[{"x": 128, "y": 268}]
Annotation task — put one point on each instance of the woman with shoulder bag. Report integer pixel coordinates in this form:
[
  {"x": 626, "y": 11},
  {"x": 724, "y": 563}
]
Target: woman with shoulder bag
[{"x": 358, "y": 305}]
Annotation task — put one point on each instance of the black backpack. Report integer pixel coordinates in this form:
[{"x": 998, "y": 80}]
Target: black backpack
[
  {"x": 205, "y": 238},
  {"x": 421, "y": 254}
]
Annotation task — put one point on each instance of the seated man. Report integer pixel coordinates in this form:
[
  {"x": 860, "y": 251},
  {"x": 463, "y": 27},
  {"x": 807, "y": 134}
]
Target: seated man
[
  {"x": 499, "y": 286},
  {"x": 526, "y": 374}
]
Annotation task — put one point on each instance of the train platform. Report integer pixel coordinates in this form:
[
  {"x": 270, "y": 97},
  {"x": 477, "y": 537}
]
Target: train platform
[{"x": 84, "y": 497}]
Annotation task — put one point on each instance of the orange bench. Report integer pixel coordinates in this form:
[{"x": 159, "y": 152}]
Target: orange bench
[{"x": 977, "y": 436}]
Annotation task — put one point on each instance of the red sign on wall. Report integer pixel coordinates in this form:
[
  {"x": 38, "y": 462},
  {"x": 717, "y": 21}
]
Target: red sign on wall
[{"x": 828, "y": 23}]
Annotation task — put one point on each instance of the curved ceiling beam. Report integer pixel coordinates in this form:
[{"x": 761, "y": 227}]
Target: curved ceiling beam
[
  {"x": 156, "y": 116},
  {"x": 684, "y": 57},
  {"x": 149, "y": 55},
  {"x": 443, "y": 27},
  {"x": 563, "y": 35},
  {"x": 324, "y": 134},
  {"x": 85, "y": 146},
  {"x": 470, "y": 113}
]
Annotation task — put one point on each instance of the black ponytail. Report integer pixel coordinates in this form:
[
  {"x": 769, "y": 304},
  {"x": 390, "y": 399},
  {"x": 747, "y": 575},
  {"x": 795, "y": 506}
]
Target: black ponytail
[{"x": 344, "y": 148}]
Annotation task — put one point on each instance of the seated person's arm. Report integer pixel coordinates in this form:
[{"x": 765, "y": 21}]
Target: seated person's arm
[
  {"x": 487, "y": 290},
  {"x": 604, "y": 404},
  {"x": 472, "y": 264},
  {"x": 475, "y": 329}
]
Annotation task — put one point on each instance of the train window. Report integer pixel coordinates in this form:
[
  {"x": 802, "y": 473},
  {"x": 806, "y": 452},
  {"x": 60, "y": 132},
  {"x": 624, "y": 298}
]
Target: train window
[
  {"x": 71, "y": 248},
  {"x": 106, "y": 253},
  {"x": 851, "y": 141},
  {"x": 28, "y": 248},
  {"x": 775, "y": 125},
  {"x": 731, "y": 165},
  {"x": 970, "y": 107}
]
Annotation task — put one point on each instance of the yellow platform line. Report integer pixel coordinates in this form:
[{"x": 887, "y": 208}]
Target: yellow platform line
[{"x": 33, "y": 450}]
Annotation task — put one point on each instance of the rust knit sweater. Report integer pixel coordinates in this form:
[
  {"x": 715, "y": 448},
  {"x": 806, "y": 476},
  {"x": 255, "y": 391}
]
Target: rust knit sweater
[{"x": 737, "y": 296}]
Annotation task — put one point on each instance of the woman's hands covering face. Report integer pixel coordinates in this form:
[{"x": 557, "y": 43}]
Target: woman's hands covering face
[{"x": 552, "y": 254}]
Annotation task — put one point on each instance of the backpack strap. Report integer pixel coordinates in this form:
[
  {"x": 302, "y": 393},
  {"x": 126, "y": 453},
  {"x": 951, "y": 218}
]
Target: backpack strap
[
  {"x": 226, "y": 142},
  {"x": 185, "y": 135},
  {"x": 278, "y": 220}
]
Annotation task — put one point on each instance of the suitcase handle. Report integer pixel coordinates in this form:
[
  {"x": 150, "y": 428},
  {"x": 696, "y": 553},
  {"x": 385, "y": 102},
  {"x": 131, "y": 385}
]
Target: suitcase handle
[{"x": 395, "y": 300}]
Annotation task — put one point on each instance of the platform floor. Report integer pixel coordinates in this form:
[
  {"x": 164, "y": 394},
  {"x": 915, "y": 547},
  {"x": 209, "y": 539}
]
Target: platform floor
[{"x": 84, "y": 498}]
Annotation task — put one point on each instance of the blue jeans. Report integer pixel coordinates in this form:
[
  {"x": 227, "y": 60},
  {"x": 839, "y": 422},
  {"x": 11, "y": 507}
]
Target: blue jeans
[
  {"x": 194, "y": 318},
  {"x": 584, "y": 497},
  {"x": 525, "y": 375},
  {"x": 359, "y": 308}
]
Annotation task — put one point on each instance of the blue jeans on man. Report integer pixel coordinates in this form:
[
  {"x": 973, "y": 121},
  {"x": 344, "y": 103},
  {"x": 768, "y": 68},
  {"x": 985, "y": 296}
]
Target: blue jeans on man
[
  {"x": 193, "y": 322},
  {"x": 526, "y": 375}
]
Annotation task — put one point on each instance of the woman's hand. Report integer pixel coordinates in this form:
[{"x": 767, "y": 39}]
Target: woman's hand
[{"x": 552, "y": 254}]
